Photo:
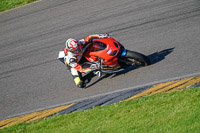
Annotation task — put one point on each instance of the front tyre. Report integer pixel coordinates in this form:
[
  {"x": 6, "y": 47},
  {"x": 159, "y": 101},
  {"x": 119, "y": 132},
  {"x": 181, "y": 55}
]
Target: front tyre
[{"x": 137, "y": 58}]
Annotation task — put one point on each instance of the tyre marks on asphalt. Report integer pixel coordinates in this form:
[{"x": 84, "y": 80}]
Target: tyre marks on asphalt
[{"x": 105, "y": 100}]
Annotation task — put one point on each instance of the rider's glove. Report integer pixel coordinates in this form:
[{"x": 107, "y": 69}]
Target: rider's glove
[
  {"x": 95, "y": 66},
  {"x": 82, "y": 41},
  {"x": 106, "y": 35}
]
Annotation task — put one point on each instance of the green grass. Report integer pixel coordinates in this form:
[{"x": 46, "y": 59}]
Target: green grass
[
  {"x": 172, "y": 112},
  {"x": 8, "y": 4}
]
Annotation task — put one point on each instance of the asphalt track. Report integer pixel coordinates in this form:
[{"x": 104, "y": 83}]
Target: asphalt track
[
  {"x": 105, "y": 99},
  {"x": 32, "y": 78}
]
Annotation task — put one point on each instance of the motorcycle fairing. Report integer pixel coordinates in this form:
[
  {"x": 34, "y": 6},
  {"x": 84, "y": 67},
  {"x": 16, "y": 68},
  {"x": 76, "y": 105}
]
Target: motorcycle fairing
[{"x": 106, "y": 48}]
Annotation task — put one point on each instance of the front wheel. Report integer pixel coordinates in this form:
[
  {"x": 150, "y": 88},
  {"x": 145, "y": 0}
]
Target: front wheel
[{"x": 136, "y": 58}]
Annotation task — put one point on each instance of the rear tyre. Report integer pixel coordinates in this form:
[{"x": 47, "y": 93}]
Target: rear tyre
[{"x": 137, "y": 58}]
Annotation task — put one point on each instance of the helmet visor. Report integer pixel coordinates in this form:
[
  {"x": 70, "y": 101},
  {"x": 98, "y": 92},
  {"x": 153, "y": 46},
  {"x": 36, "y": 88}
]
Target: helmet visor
[{"x": 77, "y": 51}]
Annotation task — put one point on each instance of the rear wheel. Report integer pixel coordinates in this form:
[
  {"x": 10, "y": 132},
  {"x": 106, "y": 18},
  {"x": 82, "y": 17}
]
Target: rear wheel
[{"x": 135, "y": 58}]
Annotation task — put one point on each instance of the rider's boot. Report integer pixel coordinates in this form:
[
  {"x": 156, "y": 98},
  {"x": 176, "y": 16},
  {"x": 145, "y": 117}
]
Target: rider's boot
[{"x": 81, "y": 84}]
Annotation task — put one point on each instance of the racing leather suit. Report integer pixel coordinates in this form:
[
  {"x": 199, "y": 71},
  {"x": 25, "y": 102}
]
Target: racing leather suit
[{"x": 76, "y": 64}]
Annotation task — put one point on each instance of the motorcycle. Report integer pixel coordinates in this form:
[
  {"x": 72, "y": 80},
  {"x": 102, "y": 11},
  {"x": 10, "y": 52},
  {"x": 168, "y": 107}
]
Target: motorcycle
[{"x": 109, "y": 53}]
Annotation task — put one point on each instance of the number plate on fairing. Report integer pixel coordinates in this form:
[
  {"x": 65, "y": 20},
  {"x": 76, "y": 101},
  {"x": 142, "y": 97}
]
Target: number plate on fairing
[{"x": 109, "y": 51}]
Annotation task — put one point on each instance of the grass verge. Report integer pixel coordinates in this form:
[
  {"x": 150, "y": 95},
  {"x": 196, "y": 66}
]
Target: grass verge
[
  {"x": 8, "y": 4},
  {"x": 176, "y": 112}
]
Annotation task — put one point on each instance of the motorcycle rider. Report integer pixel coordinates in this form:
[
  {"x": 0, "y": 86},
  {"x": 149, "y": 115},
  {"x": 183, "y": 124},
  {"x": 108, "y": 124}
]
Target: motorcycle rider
[{"x": 74, "y": 59}]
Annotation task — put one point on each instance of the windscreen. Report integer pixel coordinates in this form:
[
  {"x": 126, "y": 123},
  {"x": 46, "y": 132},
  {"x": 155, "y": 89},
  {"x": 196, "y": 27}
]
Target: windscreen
[{"x": 98, "y": 46}]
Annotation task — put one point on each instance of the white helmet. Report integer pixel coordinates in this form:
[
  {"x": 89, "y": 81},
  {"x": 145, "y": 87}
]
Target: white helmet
[{"x": 73, "y": 46}]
